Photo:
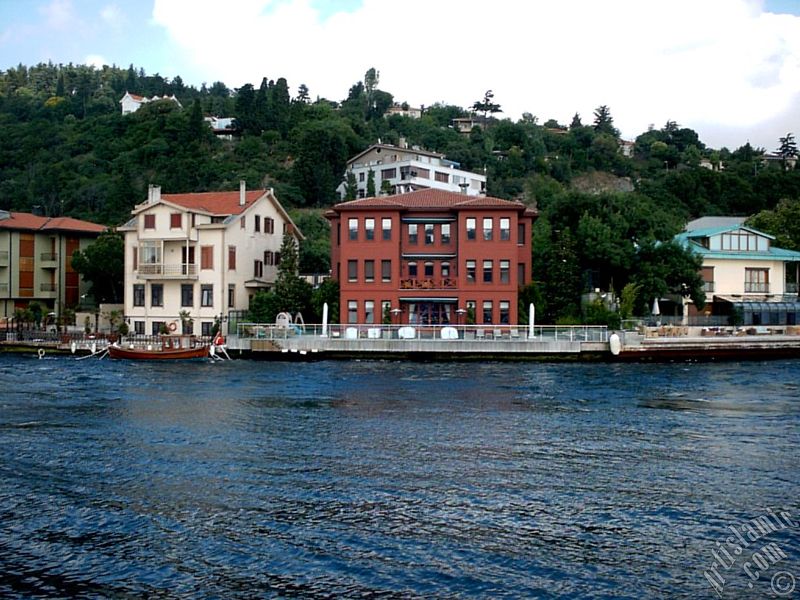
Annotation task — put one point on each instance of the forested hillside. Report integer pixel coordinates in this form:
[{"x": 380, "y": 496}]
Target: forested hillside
[{"x": 65, "y": 149}]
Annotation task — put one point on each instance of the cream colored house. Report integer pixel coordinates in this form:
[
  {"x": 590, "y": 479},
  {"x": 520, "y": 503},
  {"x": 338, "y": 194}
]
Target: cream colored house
[
  {"x": 200, "y": 255},
  {"x": 744, "y": 272}
]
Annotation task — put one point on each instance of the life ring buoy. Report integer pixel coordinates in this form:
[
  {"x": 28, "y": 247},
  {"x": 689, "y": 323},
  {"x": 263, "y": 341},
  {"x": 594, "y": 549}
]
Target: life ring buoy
[
  {"x": 40, "y": 353},
  {"x": 173, "y": 326}
]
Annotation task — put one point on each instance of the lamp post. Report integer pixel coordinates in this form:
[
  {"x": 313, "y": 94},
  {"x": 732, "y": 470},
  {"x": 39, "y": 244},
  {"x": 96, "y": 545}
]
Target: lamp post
[{"x": 460, "y": 312}]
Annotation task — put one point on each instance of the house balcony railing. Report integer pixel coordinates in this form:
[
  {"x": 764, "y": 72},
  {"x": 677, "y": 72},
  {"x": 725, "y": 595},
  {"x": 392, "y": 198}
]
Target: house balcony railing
[
  {"x": 3, "y": 258},
  {"x": 168, "y": 271},
  {"x": 47, "y": 287},
  {"x": 791, "y": 287},
  {"x": 48, "y": 260},
  {"x": 708, "y": 287},
  {"x": 447, "y": 283},
  {"x": 3, "y": 288},
  {"x": 754, "y": 287}
]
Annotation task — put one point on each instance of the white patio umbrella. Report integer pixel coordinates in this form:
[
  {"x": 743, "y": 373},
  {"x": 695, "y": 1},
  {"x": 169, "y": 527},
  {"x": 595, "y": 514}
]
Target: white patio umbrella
[
  {"x": 531, "y": 319},
  {"x": 656, "y": 309}
]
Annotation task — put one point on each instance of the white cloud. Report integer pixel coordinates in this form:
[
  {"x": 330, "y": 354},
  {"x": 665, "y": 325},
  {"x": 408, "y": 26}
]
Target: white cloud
[
  {"x": 716, "y": 65},
  {"x": 95, "y": 60},
  {"x": 111, "y": 15},
  {"x": 58, "y": 14}
]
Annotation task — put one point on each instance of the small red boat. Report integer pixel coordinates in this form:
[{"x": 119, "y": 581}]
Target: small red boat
[{"x": 171, "y": 347}]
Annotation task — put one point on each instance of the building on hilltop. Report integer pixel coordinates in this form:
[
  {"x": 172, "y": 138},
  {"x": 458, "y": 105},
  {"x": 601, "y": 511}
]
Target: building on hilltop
[
  {"x": 430, "y": 257},
  {"x": 404, "y": 110},
  {"x": 131, "y": 102},
  {"x": 222, "y": 127},
  {"x": 743, "y": 272},
  {"x": 465, "y": 125},
  {"x": 206, "y": 254},
  {"x": 36, "y": 261},
  {"x": 405, "y": 169}
]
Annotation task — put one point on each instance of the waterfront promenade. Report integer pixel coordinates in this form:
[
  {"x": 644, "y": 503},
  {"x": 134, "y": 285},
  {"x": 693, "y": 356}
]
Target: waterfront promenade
[{"x": 464, "y": 342}]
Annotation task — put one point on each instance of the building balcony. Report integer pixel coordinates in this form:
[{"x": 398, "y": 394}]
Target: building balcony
[
  {"x": 47, "y": 287},
  {"x": 3, "y": 288},
  {"x": 791, "y": 287},
  {"x": 752, "y": 287},
  {"x": 3, "y": 258},
  {"x": 167, "y": 271},
  {"x": 447, "y": 283},
  {"x": 708, "y": 287},
  {"x": 48, "y": 260}
]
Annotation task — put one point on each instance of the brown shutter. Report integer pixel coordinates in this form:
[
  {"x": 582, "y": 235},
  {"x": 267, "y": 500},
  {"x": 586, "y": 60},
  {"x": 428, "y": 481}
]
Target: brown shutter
[{"x": 207, "y": 257}]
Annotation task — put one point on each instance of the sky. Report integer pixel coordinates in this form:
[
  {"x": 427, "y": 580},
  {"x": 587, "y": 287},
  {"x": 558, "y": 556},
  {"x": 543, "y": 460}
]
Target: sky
[{"x": 729, "y": 69}]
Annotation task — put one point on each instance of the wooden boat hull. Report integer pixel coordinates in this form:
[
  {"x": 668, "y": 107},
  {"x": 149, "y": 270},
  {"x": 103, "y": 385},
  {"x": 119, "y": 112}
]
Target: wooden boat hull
[{"x": 158, "y": 354}]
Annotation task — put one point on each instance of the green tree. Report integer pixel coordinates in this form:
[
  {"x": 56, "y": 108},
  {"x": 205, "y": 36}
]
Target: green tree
[
  {"x": 302, "y": 93},
  {"x": 783, "y": 222},
  {"x": 370, "y": 184},
  {"x": 293, "y": 292},
  {"x": 263, "y": 307},
  {"x": 328, "y": 291},
  {"x": 36, "y": 311},
  {"x": 487, "y": 105},
  {"x": 604, "y": 122},
  {"x": 350, "y": 186},
  {"x": 628, "y": 299},
  {"x": 663, "y": 268},
  {"x": 787, "y": 149},
  {"x": 102, "y": 264},
  {"x": 323, "y": 148}
]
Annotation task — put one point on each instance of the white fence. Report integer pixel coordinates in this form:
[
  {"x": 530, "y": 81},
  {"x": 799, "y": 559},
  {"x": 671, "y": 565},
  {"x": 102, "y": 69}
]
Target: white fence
[{"x": 368, "y": 331}]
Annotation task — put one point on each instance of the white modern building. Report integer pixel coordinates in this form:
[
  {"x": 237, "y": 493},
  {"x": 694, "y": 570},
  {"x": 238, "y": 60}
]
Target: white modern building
[
  {"x": 131, "y": 102},
  {"x": 192, "y": 258},
  {"x": 402, "y": 169}
]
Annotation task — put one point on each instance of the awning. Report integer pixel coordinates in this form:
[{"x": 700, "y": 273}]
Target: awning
[
  {"x": 776, "y": 304},
  {"x": 256, "y": 283}
]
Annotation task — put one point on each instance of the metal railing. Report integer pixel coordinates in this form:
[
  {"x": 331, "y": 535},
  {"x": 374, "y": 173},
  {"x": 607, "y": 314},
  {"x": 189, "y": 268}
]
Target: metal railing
[
  {"x": 754, "y": 287},
  {"x": 4, "y": 257},
  {"x": 168, "y": 270},
  {"x": 48, "y": 256},
  {"x": 47, "y": 287},
  {"x": 791, "y": 287},
  {"x": 428, "y": 284},
  {"x": 375, "y": 331}
]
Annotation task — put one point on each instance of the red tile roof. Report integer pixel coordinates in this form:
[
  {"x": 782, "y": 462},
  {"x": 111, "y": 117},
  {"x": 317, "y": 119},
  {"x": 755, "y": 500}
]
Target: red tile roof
[
  {"x": 430, "y": 199},
  {"x": 30, "y": 222},
  {"x": 215, "y": 203}
]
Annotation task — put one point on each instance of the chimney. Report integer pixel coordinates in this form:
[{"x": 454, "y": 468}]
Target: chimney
[
  {"x": 402, "y": 143},
  {"x": 153, "y": 193},
  {"x": 242, "y": 192}
]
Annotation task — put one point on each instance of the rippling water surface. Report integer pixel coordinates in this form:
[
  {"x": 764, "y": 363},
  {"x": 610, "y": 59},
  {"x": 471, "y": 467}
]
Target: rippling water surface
[{"x": 390, "y": 479}]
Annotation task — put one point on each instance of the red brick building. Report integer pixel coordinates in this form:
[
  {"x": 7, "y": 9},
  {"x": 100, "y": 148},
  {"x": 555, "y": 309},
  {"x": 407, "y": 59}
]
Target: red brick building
[{"x": 430, "y": 257}]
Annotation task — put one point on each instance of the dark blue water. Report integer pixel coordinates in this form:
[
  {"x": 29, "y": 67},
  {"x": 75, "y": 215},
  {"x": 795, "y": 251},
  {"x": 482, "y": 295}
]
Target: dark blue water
[{"x": 390, "y": 479}]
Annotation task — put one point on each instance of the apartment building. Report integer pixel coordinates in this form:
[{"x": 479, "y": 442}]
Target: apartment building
[
  {"x": 402, "y": 169},
  {"x": 192, "y": 258},
  {"x": 36, "y": 260},
  {"x": 430, "y": 257}
]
